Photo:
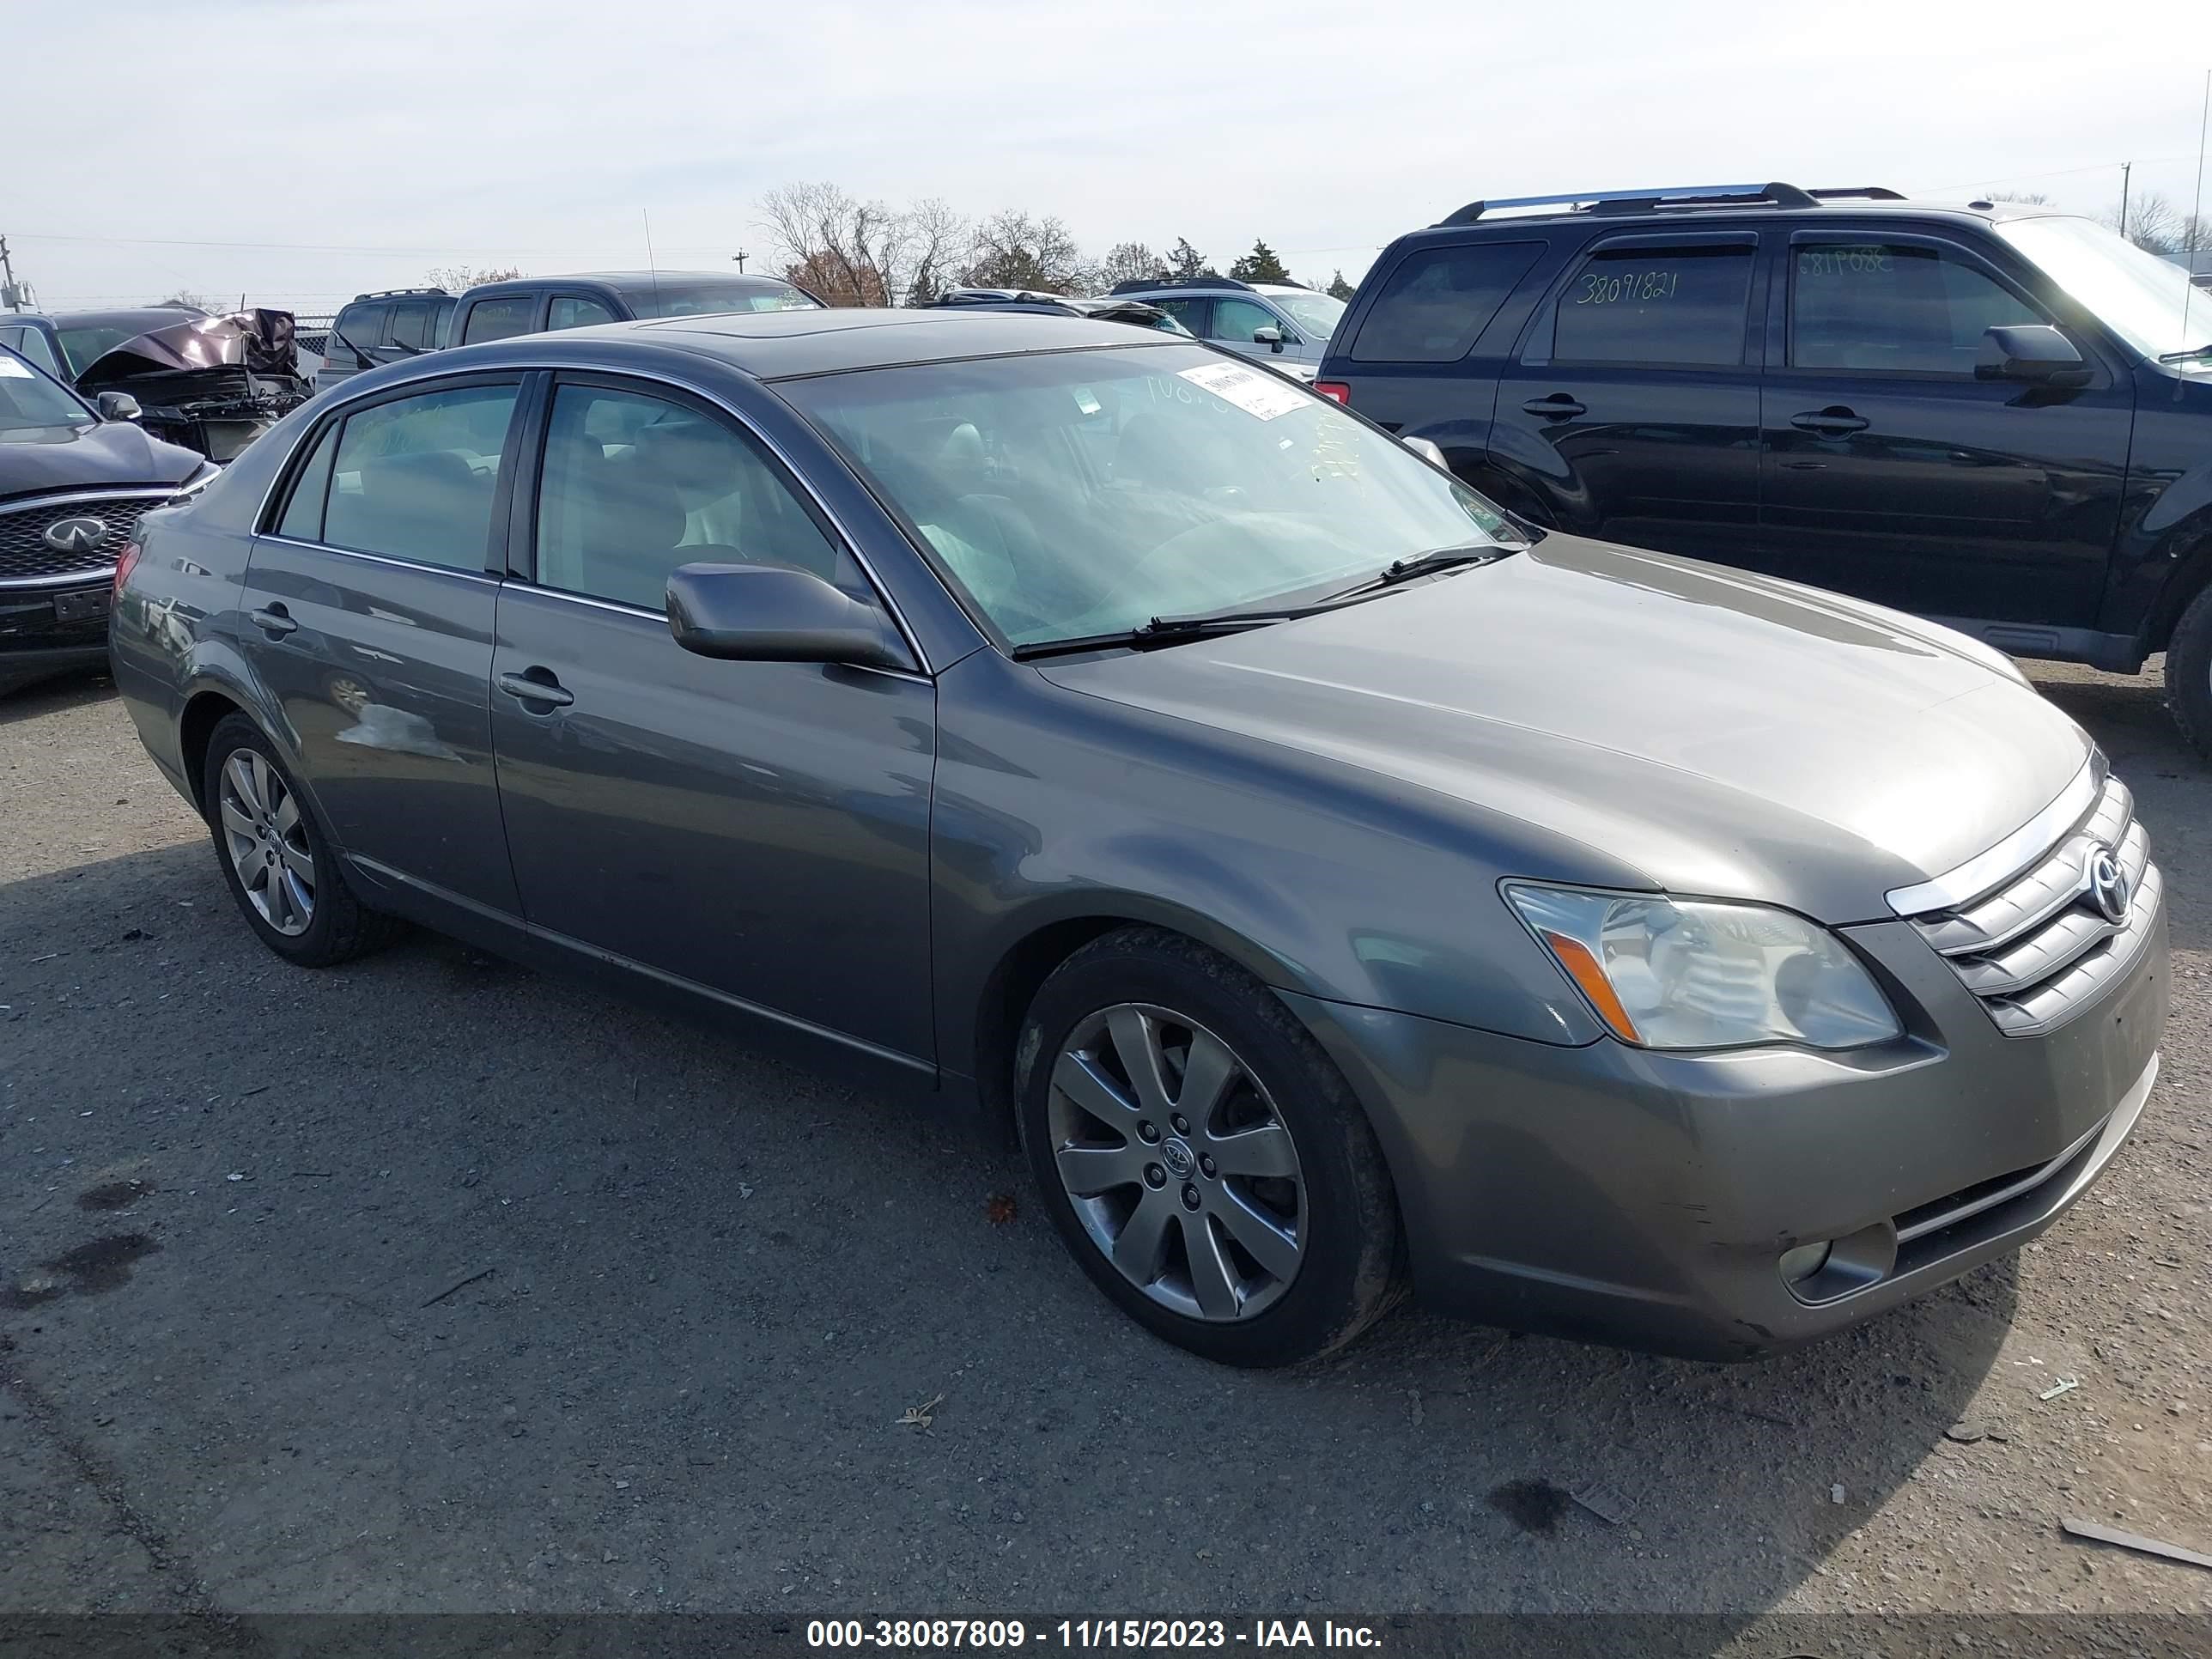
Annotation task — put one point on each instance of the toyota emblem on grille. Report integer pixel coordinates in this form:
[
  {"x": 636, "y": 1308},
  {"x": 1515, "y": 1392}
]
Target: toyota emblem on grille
[
  {"x": 77, "y": 535},
  {"x": 2109, "y": 888}
]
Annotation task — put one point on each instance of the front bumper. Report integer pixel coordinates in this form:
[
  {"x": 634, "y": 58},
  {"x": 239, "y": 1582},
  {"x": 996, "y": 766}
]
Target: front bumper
[
  {"x": 52, "y": 628},
  {"x": 1646, "y": 1199}
]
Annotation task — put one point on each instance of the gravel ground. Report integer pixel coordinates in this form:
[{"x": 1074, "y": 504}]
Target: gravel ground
[{"x": 431, "y": 1284}]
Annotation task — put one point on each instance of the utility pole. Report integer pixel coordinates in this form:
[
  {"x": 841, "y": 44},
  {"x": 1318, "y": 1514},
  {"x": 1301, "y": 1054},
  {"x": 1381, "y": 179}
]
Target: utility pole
[
  {"x": 742, "y": 255},
  {"x": 2125, "y": 168},
  {"x": 14, "y": 294}
]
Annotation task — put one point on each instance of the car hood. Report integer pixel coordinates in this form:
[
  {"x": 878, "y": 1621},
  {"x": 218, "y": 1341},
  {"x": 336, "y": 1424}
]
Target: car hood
[
  {"x": 113, "y": 454},
  {"x": 1647, "y": 720}
]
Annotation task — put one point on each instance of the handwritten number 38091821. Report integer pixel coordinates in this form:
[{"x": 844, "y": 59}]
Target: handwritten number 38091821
[{"x": 1611, "y": 287}]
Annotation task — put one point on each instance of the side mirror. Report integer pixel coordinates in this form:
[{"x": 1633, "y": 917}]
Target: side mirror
[
  {"x": 771, "y": 613},
  {"x": 2034, "y": 353},
  {"x": 1426, "y": 450},
  {"x": 1270, "y": 337},
  {"x": 117, "y": 406}
]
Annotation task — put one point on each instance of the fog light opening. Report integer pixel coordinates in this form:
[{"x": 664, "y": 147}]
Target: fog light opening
[{"x": 1802, "y": 1263}]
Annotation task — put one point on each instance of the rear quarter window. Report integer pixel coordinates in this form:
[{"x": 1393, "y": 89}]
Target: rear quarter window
[{"x": 1439, "y": 301}]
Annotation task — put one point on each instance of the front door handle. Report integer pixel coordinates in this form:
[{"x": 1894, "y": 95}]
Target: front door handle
[
  {"x": 1833, "y": 422},
  {"x": 273, "y": 620},
  {"x": 536, "y": 685},
  {"x": 1559, "y": 406}
]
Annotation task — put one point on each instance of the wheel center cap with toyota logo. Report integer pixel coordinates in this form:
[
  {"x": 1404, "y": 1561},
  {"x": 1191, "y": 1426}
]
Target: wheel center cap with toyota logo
[
  {"x": 77, "y": 535},
  {"x": 1178, "y": 1157},
  {"x": 2110, "y": 889}
]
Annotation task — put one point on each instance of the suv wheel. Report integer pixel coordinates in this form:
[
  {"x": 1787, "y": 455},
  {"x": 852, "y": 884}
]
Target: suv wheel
[
  {"x": 1204, "y": 1160},
  {"x": 276, "y": 860},
  {"x": 2189, "y": 673}
]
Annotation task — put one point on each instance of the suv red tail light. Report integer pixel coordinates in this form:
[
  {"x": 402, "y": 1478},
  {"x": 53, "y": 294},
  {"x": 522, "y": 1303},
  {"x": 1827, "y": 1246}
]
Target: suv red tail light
[
  {"x": 1336, "y": 389},
  {"x": 126, "y": 562}
]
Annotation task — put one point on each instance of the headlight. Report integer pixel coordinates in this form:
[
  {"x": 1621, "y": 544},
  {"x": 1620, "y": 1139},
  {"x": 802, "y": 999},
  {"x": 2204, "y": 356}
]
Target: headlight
[{"x": 1693, "y": 974}]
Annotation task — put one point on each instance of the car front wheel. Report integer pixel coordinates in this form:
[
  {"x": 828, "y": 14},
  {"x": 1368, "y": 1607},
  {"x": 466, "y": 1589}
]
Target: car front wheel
[
  {"x": 2189, "y": 673},
  {"x": 1207, "y": 1164}
]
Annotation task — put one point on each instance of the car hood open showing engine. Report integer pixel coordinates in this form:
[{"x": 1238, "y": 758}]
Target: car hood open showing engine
[
  {"x": 212, "y": 383},
  {"x": 1722, "y": 733}
]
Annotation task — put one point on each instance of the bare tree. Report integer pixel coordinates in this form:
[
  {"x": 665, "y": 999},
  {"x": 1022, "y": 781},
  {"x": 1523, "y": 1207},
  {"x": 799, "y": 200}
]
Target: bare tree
[
  {"x": 187, "y": 300},
  {"x": 456, "y": 279},
  {"x": 1128, "y": 262},
  {"x": 848, "y": 252},
  {"x": 2153, "y": 223},
  {"x": 2028, "y": 197},
  {"x": 936, "y": 240},
  {"x": 1014, "y": 249}
]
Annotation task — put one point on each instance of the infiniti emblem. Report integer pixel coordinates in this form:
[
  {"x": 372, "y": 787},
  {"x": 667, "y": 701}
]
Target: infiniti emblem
[
  {"x": 1178, "y": 1157},
  {"x": 79, "y": 536},
  {"x": 2109, "y": 889}
]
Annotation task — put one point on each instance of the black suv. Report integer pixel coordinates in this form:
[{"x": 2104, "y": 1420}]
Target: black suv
[
  {"x": 1993, "y": 416},
  {"x": 383, "y": 328}
]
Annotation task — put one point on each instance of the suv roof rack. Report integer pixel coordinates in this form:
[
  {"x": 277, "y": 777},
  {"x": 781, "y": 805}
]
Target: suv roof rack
[
  {"x": 1146, "y": 285},
  {"x": 1639, "y": 201},
  {"x": 1859, "y": 192},
  {"x": 397, "y": 293}
]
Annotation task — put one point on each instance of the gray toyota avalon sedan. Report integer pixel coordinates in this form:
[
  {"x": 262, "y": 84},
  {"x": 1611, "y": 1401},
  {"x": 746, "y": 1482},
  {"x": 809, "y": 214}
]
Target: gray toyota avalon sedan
[{"x": 1337, "y": 884}]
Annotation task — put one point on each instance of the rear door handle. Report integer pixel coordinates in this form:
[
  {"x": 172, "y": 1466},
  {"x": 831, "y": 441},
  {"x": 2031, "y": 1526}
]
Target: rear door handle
[
  {"x": 1559, "y": 406},
  {"x": 536, "y": 685},
  {"x": 1830, "y": 423},
  {"x": 273, "y": 620}
]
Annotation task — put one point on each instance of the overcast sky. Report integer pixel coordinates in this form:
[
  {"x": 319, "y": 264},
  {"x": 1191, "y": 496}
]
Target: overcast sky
[{"x": 178, "y": 145}]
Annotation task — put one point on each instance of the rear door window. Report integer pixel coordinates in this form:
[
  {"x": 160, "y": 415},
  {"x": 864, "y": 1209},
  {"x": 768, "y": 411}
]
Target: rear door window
[
  {"x": 577, "y": 310},
  {"x": 499, "y": 319},
  {"x": 415, "y": 479},
  {"x": 1890, "y": 308},
  {"x": 1681, "y": 306},
  {"x": 1438, "y": 300}
]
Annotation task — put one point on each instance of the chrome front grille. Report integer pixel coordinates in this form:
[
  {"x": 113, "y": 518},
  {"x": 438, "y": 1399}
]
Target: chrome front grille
[
  {"x": 2039, "y": 947},
  {"x": 27, "y": 557}
]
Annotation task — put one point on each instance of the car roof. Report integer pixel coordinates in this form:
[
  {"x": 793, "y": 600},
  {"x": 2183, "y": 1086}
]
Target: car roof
[
  {"x": 145, "y": 319},
  {"x": 1714, "y": 205},
  {"x": 624, "y": 281},
  {"x": 781, "y": 345}
]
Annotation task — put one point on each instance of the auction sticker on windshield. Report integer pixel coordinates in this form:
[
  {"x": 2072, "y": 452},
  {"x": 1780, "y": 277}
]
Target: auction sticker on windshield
[
  {"x": 12, "y": 370},
  {"x": 1261, "y": 396}
]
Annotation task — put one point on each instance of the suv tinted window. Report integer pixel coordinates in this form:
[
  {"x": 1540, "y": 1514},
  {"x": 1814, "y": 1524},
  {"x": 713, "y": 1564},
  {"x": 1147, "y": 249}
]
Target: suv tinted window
[
  {"x": 1191, "y": 313},
  {"x": 413, "y": 324},
  {"x": 1655, "y": 305},
  {"x": 1904, "y": 310},
  {"x": 358, "y": 328},
  {"x": 501, "y": 318},
  {"x": 1236, "y": 319},
  {"x": 1438, "y": 300},
  {"x": 635, "y": 486},
  {"x": 414, "y": 478}
]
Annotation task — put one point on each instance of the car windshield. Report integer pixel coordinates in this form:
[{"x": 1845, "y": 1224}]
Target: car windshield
[
  {"x": 703, "y": 298},
  {"x": 1315, "y": 314},
  {"x": 2147, "y": 301},
  {"x": 1075, "y": 492},
  {"x": 84, "y": 347},
  {"x": 30, "y": 402}
]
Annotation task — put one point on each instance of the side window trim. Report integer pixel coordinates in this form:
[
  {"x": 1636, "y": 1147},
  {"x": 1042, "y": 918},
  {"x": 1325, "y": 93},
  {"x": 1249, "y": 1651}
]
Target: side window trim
[
  {"x": 528, "y": 484},
  {"x": 267, "y": 521},
  {"x": 1783, "y": 308},
  {"x": 1534, "y": 347}
]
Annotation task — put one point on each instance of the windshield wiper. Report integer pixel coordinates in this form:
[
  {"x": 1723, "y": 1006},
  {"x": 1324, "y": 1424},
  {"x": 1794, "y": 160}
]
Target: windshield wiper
[
  {"x": 1428, "y": 564},
  {"x": 2188, "y": 356},
  {"x": 1180, "y": 630}
]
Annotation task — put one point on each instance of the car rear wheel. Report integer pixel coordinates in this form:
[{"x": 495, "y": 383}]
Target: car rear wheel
[
  {"x": 1204, "y": 1161},
  {"x": 275, "y": 859},
  {"x": 2189, "y": 673}
]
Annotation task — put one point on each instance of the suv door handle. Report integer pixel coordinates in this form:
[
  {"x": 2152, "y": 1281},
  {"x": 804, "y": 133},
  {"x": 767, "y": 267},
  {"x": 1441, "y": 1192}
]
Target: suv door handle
[
  {"x": 1833, "y": 422},
  {"x": 536, "y": 685},
  {"x": 1559, "y": 406},
  {"x": 273, "y": 620}
]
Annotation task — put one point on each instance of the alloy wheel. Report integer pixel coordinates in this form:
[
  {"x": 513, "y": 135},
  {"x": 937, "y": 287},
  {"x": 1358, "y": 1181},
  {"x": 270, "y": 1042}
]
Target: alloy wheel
[
  {"x": 1177, "y": 1163},
  {"x": 266, "y": 835}
]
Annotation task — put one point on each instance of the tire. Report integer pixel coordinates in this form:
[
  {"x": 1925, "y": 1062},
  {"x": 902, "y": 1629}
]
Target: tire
[
  {"x": 301, "y": 906},
  {"x": 2189, "y": 673},
  {"x": 1283, "y": 1250}
]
